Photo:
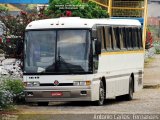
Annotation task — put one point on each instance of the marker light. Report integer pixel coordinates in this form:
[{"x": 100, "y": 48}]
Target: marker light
[
  {"x": 82, "y": 83},
  {"x": 32, "y": 84}
]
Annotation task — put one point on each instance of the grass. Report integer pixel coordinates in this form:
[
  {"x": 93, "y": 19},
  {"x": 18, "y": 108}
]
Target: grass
[
  {"x": 151, "y": 86},
  {"x": 157, "y": 51},
  {"x": 148, "y": 61},
  {"x": 7, "y": 110}
]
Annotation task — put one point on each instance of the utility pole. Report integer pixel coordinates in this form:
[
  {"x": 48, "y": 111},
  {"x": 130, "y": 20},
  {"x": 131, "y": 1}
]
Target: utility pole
[
  {"x": 110, "y": 8},
  {"x": 145, "y": 21}
]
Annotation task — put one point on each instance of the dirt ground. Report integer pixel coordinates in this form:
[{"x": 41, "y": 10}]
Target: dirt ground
[{"x": 152, "y": 72}]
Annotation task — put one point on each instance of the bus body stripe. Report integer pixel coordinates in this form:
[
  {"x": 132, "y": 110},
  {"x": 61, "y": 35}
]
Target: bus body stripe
[
  {"x": 122, "y": 52},
  {"x": 121, "y": 75}
]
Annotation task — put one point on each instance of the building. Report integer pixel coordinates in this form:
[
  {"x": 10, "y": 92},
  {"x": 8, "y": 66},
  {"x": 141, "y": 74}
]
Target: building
[
  {"x": 154, "y": 1},
  {"x": 154, "y": 21},
  {"x": 13, "y": 10},
  {"x": 153, "y": 8}
]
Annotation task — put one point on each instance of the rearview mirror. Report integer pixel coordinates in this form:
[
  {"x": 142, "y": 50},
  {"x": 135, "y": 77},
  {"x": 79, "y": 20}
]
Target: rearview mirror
[{"x": 94, "y": 33}]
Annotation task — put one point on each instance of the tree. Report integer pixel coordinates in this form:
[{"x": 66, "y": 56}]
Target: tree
[
  {"x": 2, "y": 8},
  {"x": 12, "y": 40},
  {"x": 75, "y": 8}
]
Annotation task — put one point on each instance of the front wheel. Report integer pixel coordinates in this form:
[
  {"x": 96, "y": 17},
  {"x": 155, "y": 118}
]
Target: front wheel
[
  {"x": 129, "y": 96},
  {"x": 100, "y": 102}
]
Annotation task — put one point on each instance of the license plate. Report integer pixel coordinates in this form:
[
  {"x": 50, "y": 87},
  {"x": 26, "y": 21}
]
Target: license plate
[{"x": 56, "y": 94}]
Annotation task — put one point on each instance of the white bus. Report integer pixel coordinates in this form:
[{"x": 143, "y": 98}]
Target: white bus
[{"x": 75, "y": 59}]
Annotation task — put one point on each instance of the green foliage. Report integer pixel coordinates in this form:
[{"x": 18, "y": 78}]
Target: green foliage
[
  {"x": 156, "y": 44},
  {"x": 58, "y": 8},
  {"x": 1, "y": 51},
  {"x": 14, "y": 86},
  {"x": 157, "y": 51},
  {"x": 2, "y": 8},
  {"x": 6, "y": 97},
  {"x": 11, "y": 91},
  {"x": 15, "y": 30}
]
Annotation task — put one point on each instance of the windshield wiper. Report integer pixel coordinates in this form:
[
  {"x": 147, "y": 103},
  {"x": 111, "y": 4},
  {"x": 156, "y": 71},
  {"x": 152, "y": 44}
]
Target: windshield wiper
[{"x": 60, "y": 60}]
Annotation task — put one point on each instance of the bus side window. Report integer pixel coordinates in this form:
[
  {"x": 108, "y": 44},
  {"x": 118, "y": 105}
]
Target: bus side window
[
  {"x": 121, "y": 38},
  {"x": 140, "y": 43},
  {"x": 108, "y": 38},
  {"x": 115, "y": 38},
  {"x": 134, "y": 38},
  {"x": 124, "y": 37},
  {"x": 117, "y": 34},
  {"x": 104, "y": 39},
  {"x": 100, "y": 34},
  {"x": 129, "y": 37}
]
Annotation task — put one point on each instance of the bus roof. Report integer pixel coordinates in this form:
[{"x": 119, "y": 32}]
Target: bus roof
[{"x": 76, "y": 22}]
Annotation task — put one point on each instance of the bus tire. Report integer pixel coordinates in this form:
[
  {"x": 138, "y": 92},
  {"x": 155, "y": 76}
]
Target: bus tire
[
  {"x": 43, "y": 103},
  {"x": 129, "y": 96},
  {"x": 100, "y": 102}
]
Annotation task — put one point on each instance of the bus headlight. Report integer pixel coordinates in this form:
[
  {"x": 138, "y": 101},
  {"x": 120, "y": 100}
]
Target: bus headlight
[
  {"x": 32, "y": 84},
  {"x": 82, "y": 83}
]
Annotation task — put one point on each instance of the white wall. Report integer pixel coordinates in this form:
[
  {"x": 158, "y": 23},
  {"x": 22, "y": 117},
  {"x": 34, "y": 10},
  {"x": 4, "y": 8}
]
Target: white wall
[{"x": 153, "y": 9}]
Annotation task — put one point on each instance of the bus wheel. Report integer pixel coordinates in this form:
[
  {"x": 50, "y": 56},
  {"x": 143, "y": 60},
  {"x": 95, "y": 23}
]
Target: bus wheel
[
  {"x": 129, "y": 96},
  {"x": 43, "y": 103},
  {"x": 101, "y": 94}
]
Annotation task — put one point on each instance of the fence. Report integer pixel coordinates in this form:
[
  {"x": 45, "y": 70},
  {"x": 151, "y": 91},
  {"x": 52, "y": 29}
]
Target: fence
[{"x": 123, "y": 8}]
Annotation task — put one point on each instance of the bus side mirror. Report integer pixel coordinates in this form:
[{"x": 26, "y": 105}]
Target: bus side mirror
[
  {"x": 97, "y": 47},
  {"x": 94, "y": 34}
]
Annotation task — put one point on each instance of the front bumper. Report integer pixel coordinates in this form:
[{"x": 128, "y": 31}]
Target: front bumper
[{"x": 70, "y": 93}]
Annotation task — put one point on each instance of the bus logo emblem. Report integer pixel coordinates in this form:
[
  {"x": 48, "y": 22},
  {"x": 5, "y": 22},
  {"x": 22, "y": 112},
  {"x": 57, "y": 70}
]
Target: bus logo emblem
[{"x": 56, "y": 83}]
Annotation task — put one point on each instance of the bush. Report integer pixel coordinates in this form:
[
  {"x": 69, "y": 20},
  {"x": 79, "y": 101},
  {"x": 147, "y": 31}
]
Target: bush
[
  {"x": 75, "y": 8},
  {"x": 149, "y": 40},
  {"x": 2, "y": 8},
  {"x": 156, "y": 44},
  {"x": 11, "y": 91},
  {"x": 1, "y": 51},
  {"x": 157, "y": 51},
  {"x": 14, "y": 86},
  {"x": 6, "y": 97}
]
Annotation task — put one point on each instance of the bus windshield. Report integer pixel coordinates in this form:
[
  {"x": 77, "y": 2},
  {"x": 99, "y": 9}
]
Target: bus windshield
[{"x": 57, "y": 51}]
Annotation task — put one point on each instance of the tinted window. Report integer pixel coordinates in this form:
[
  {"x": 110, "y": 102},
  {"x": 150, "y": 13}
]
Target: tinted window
[
  {"x": 108, "y": 38},
  {"x": 115, "y": 38},
  {"x": 129, "y": 38},
  {"x": 100, "y": 33},
  {"x": 124, "y": 32},
  {"x": 134, "y": 38},
  {"x": 121, "y": 38},
  {"x": 140, "y": 43}
]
